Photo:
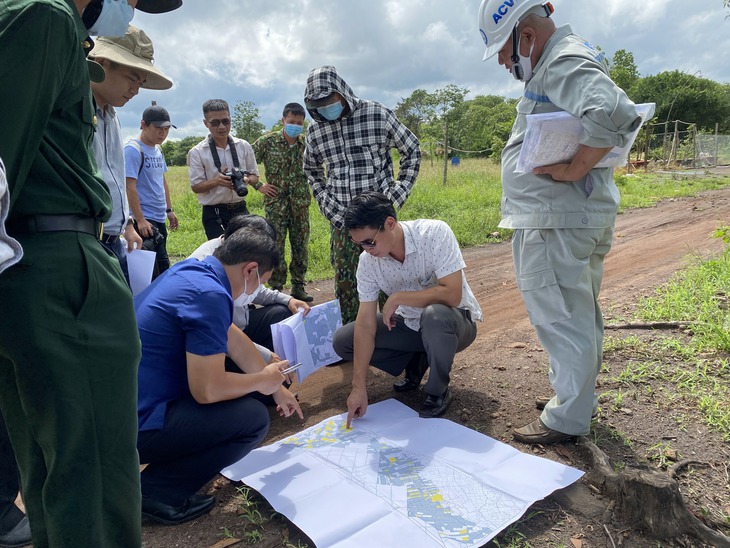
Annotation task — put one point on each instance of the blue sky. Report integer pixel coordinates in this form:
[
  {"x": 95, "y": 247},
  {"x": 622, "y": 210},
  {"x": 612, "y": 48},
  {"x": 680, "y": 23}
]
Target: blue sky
[{"x": 262, "y": 50}]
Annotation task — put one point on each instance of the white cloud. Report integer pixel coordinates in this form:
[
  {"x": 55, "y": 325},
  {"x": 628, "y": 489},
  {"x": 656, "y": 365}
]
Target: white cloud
[{"x": 263, "y": 50}]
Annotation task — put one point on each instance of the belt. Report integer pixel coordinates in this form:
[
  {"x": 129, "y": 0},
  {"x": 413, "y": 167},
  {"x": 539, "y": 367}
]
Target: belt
[
  {"x": 234, "y": 205},
  {"x": 33, "y": 224},
  {"x": 109, "y": 239}
]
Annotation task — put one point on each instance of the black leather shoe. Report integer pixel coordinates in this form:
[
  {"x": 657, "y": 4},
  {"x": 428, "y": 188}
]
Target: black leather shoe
[
  {"x": 192, "y": 508},
  {"x": 435, "y": 406},
  {"x": 415, "y": 370},
  {"x": 17, "y": 536}
]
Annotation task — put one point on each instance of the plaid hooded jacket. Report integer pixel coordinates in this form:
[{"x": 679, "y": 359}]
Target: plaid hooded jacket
[{"x": 355, "y": 149}]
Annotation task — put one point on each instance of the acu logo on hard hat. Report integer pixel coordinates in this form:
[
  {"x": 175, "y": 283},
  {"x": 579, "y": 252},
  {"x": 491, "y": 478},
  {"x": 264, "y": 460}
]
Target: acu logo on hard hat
[{"x": 502, "y": 10}]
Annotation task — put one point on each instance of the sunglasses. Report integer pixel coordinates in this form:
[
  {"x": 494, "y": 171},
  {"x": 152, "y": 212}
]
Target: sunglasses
[
  {"x": 216, "y": 122},
  {"x": 370, "y": 242}
]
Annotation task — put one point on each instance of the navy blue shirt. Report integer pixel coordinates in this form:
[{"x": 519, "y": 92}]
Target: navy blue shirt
[{"x": 187, "y": 309}]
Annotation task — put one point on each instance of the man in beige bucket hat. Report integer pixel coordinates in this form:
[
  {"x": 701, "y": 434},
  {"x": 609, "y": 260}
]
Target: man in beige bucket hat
[{"x": 129, "y": 65}]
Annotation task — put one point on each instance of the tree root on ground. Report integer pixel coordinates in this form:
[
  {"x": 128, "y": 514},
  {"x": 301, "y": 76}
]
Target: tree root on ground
[
  {"x": 650, "y": 325},
  {"x": 648, "y": 498}
]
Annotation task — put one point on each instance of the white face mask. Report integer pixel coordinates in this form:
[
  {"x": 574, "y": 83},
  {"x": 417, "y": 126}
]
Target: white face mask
[
  {"x": 114, "y": 19},
  {"x": 522, "y": 70},
  {"x": 245, "y": 299}
]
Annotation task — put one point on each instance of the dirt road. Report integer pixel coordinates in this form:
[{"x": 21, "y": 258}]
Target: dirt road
[{"x": 496, "y": 379}]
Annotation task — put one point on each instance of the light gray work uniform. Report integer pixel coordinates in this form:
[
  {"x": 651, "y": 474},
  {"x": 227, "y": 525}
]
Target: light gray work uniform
[{"x": 563, "y": 231}]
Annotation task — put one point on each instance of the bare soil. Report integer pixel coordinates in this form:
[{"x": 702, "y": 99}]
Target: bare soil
[{"x": 497, "y": 378}]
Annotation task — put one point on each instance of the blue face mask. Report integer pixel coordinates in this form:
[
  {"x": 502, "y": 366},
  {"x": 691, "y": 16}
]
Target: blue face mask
[
  {"x": 292, "y": 130},
  {"x": 331, "y": 112},
  {"x": 114, "y": 19}
]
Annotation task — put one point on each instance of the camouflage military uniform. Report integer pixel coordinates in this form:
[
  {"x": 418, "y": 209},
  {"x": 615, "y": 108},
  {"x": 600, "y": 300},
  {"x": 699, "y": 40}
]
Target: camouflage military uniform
[
  {"x": 344, "y": 256},
  {"x": 289, "y": 210}
]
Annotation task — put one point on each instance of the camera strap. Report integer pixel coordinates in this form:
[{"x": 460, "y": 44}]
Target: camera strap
[{"x": 214, "y": 152}]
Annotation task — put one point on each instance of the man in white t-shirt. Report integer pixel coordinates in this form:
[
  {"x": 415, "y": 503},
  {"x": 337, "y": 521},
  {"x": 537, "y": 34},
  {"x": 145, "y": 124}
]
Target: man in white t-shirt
[{"x": 430, "y": 312}]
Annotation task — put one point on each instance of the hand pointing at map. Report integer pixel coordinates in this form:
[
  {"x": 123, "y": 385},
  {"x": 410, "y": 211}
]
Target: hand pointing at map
[{"x": 357, "y": 404}]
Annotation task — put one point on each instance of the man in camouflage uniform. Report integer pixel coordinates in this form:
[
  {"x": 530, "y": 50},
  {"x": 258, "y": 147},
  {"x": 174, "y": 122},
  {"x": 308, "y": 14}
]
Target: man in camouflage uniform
[{"x": 287, "y": 196}]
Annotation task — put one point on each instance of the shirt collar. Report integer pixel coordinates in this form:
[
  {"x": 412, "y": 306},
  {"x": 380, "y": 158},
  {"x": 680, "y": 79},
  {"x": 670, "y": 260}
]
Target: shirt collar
[
  {"x": 217, "y": 267},
  {"x": 410, "y": 245},
  {"x": 559, "y": 34}
]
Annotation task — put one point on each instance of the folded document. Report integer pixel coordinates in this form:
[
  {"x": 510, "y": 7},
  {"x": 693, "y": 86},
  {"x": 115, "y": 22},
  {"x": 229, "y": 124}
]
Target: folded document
[
  {"x": 554, "y": 138},
  {"x": 308, "y": 339}
]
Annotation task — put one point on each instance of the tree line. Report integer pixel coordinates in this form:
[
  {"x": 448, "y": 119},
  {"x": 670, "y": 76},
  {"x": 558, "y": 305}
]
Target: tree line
[{"x": 480, "y": 126}]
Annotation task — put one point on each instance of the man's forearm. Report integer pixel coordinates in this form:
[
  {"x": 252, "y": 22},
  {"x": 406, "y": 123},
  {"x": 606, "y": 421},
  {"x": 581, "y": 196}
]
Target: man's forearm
[
  {"x": 205, "y": 186},
  {"x": 134, "y": 204},
  {"x": 364, "y": 346}
]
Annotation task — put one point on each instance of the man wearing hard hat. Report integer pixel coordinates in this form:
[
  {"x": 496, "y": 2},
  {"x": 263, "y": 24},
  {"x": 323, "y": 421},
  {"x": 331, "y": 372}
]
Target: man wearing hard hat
[{"x": 562, "y": 214}]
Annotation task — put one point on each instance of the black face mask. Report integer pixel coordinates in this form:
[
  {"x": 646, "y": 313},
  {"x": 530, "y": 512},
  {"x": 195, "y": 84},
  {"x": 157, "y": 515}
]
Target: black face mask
[{"x": 92, "y": 12}]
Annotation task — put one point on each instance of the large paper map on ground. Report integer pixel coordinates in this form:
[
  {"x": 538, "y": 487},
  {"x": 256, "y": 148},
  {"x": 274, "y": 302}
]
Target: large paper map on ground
[{"x": 395, "y": 479}]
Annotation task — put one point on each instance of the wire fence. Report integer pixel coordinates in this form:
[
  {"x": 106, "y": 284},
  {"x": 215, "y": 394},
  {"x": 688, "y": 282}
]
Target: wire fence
[{"x": 680, "y": 144}]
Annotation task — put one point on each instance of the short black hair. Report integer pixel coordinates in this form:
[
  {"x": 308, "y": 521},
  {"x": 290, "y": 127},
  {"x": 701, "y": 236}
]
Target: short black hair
[
  {"x": 293, "y": 108},
  {"x": 215, "y": 105},
  {"x": 369, "y": 209},
  {"x": 249, "y": 245},
  {"x": 253, "y": 221}
]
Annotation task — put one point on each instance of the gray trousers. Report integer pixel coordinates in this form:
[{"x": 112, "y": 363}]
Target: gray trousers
[
  {"x": 444, "y": 332},
  {"x": 559, "y": 272}
]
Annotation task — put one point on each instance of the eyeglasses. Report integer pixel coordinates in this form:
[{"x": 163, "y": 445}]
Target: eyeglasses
[
  {"x": 370, "y": 242},
  {"x": 216, "y": 122}
]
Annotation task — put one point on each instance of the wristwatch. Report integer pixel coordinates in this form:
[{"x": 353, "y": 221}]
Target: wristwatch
[{"x": 258, "y": 185}]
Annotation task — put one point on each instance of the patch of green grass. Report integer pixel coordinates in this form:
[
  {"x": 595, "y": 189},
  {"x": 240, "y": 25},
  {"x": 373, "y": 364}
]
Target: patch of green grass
[
  {"x": 699, "y": 294},
  {"x": 469, "y": 202},
  {"x": 698, "y": 372}
]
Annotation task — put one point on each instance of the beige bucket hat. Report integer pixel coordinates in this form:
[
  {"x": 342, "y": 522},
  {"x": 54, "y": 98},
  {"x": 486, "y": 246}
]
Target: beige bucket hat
[{"x": 134, "y": 50}]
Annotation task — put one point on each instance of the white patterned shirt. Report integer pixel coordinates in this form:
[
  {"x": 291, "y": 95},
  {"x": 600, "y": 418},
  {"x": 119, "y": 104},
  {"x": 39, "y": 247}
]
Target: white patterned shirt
[{"x": 432, "y": 253}]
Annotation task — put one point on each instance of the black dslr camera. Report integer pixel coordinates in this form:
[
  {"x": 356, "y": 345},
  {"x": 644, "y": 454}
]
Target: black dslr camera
[
  {"x": 150, "y": 243},
  {"x": 239, "y": 185}
]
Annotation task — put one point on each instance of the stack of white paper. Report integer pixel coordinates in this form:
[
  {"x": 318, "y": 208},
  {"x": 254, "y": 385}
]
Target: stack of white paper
[
  {"x": 554, "y": 138},
  {"x": 308, "y": 339}
]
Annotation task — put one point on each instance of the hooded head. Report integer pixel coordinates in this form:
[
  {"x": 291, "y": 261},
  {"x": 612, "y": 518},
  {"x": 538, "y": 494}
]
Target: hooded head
[{"x": 322, "y": 84}]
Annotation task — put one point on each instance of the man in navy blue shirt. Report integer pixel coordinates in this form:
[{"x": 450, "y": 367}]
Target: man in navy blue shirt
[{"x": 195, "y": 417}]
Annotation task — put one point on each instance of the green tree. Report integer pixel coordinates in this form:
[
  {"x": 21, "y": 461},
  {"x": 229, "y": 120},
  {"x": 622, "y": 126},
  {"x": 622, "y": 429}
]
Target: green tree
[
  {"x": 176, "y": 152},
  {"x": 484, "y": 124},
  {"x": 245, "y": 121},
  {"x": 686, "y": 97},
  {"x": 415, "y": 110},
  {"x": 623, "y": 69}
]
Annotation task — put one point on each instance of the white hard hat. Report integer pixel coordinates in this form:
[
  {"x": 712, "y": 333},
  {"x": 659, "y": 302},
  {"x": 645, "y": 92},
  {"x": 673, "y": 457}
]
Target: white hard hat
[{"x": 497, "y": 19}]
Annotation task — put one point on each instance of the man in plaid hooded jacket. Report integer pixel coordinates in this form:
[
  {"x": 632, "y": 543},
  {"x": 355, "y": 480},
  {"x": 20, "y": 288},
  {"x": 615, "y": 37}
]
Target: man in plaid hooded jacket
[{"x": 353, "y": 138}]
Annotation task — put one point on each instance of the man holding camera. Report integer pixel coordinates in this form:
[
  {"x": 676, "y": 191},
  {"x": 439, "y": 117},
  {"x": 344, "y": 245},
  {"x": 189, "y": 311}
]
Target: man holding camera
[
  {"x": 220, "y": 167},
  {"x": 147, "y": 190}
]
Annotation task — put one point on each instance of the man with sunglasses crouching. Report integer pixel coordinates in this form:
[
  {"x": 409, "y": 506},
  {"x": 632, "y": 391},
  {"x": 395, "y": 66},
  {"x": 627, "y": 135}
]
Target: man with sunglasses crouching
[
  {"x": 220, "y": 168},
  {"x": 430, "y": 312}
]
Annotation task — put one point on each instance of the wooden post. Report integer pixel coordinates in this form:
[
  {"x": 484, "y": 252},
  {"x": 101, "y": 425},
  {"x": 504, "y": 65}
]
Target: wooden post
[
  {"x": 446, "y": 147},
  {"x": 675, "y": 143},
  {"x": 664, "y": 143},
  {"x": 717, "y": 149},
  {"x": 646, "y": 147}
]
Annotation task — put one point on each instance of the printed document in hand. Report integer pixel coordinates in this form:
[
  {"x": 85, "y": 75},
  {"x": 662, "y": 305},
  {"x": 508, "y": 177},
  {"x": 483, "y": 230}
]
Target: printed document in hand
[
  {"x": 554, "y": 137},
  {"x": 308, "y": 340},
  {"x": 395, "y": 479}
]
